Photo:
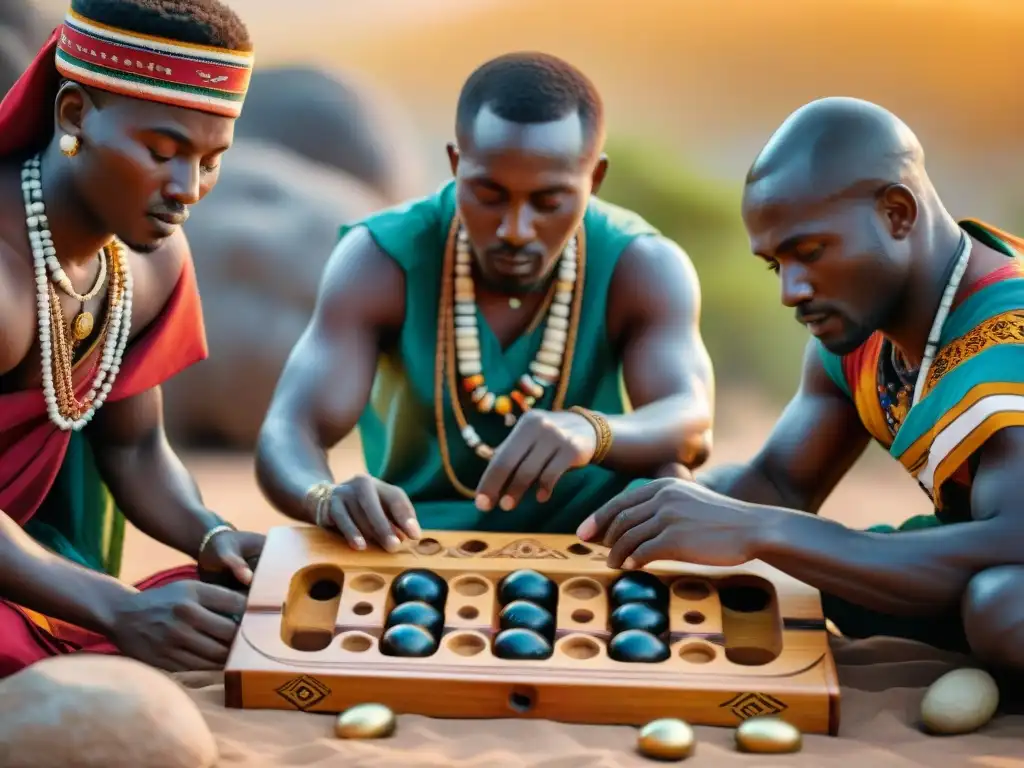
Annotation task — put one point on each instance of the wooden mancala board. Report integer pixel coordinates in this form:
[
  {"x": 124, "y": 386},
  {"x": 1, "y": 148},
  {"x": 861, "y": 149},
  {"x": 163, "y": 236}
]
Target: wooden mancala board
[{"x": 565, "y": 638}]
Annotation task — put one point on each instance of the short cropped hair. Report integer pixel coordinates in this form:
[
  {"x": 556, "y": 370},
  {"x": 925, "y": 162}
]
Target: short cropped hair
[
  {"x": 529, "y": 88},
  {"x": 198, "y": 22}
]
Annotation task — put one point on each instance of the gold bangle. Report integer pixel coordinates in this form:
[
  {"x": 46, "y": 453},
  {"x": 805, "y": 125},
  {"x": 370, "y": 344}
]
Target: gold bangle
[
  {"x": 210, "y": 534},
  {"x": 604, "y": 432},
  {"x": 318, "y": 503}
]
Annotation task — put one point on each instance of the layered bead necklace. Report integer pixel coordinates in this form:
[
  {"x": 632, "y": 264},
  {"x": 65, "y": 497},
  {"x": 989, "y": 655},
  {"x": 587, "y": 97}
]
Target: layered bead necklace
[
  {"x": 56, "y": 341},
  {"x": 459, "y": 357}
]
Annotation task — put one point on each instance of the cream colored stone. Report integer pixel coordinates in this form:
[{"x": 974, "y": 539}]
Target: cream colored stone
[
  {"x": 89, "y": 710},
  {"x": 666, "y": 739},
  {"x": 365, "y": 721},
  {"x": 768, "y": 735},
  {"x": 959, "y": 702}
]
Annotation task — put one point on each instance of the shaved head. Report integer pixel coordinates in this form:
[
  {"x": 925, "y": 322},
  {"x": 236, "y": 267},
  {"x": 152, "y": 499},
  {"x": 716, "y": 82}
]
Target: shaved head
[
  {"x": 839, "y": 204},
  {"x": 836, "y": 148}
]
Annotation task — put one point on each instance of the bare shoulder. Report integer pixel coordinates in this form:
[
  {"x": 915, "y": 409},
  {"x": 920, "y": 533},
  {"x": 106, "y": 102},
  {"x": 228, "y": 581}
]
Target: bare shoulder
[
  {"x": 659, "y": 266},
  {"x": 1003, "y": 453},
  {"x": 654, "y": 278},
  {"x": 361, "y": 285},
  {"x": 17, "y": 307}
]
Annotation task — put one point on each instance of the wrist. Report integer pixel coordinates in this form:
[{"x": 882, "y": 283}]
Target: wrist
[
  {"x": 317, "y": 502},
  {"x": 777, "y": 532},
  {"x": 203, "y": 521},
  {"x": 602, "y": 431},
  {"x": 214, "y": 530},
  {"x": 112, "y": 604}
]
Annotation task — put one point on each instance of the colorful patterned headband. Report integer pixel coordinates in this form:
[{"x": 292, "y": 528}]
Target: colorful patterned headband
[{"x": 200, "y": 77}]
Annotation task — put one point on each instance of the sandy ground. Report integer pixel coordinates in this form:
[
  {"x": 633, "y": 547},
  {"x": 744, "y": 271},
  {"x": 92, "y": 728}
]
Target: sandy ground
[{"x": 883, "y": 680}]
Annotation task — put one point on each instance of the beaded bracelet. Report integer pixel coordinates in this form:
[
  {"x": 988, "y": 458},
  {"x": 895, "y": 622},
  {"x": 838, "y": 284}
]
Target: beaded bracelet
[
  {"x": 604, "y": 432},
  {"x": 220, "y": 528}
]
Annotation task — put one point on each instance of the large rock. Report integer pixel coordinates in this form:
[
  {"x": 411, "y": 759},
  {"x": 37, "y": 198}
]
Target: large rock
[
  {"x": 31, "y": 23},
  {"x": 89, "y": 711},
  {"x": 337, "y": 121},
  {"x": 260, "y": 241},
  {"x": 14, "y": 57},
  {"x": 24, "y": 27}
]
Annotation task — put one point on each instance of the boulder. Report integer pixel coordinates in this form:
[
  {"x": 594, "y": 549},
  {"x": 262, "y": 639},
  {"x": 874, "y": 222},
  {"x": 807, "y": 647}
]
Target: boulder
[
  {"x": 260, "y": 241},
  {"x": 24, "y": 27},
  {"x": 94, "y": 711},
  {"x": 337, "y": 121},
  {"x": 14, "y": 57},
  {"x": 30, "y": 23}
]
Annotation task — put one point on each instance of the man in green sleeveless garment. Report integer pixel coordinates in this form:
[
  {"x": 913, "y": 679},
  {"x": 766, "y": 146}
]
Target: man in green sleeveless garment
[{"x": 512, "y": 350}]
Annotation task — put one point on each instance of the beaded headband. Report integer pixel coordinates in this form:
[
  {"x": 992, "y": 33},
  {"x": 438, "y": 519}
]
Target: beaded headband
[{"x": 199, "y": 77}]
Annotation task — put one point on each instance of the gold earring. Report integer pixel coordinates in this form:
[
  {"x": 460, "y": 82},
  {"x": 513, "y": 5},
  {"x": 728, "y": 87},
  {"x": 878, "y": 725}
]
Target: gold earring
[{"x": 69, "y": 144}]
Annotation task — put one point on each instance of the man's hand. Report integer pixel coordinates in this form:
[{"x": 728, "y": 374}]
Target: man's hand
[
  {"x": 181, "y": 627},
  {"x": 233, "y": 553},
  {"x": 365, "y": 507},
  {"x": 542, "y": 446},
  {"x": 674, "y": 519}
]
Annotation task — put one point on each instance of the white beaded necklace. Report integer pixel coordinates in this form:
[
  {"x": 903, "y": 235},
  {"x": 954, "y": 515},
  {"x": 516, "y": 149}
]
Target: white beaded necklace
[
  {"x": 932, "y": 348},
  {"x": 118, "y": 324},
  {"x": 546, "y": 368}
]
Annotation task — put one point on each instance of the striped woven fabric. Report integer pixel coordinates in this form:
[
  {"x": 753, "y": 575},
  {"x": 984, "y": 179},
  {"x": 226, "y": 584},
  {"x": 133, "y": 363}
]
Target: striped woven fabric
[{"x": 199, "y": 77}]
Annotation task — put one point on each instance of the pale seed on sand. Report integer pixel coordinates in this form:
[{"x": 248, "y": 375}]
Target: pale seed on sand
[
  {"x": 959, "y": 702},
  {"x": 365, "y": 721},
  {"x": 666, "y": 739},
  {"x": 768, "y": 735}
]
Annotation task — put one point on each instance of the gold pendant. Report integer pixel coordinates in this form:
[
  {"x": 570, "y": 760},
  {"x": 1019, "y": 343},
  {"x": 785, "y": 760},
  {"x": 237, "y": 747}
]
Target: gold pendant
[
  {"x": 515, "y": 303},
  {"x": 82, "y": 326}
]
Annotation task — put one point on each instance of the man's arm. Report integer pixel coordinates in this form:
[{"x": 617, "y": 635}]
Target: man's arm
[
  {"x": 151, "y": 485},
  {"x": 654, "y": 320},
  {"x": 35, "y": 578},
  {"x": 817, "y": 439},
  {"x": 920, "y": 572},
  {"x": 326, "y": 381}
]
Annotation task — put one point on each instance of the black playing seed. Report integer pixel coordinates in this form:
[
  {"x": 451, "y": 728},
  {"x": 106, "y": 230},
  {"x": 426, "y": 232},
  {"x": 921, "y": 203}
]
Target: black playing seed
[
  {"x": 637, "y": 646},
  {"x": 638, "y": 587},
  {"x": 523, "y": 613},
  {"x": 521, "y": 644},
  {"x": 528, "y": 585},
  {"x": 419, "y": 584},
  {"x": 418, "y": 613},
  {"x": 638, "y": 616},
  {"x": 407, "y": 640}
]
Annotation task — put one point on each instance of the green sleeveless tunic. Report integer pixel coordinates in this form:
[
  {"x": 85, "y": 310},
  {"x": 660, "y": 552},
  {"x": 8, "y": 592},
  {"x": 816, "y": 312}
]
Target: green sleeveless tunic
[
  {"x": 397, "y": 428},
  {"x": 78, "y": 519}
]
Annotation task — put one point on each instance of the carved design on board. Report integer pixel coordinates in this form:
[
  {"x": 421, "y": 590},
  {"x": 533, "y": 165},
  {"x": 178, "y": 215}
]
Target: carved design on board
[
  {"x": 303, "y": 692},
  {"x": 745, "y": 705},
  {"x": 528, "y": 549}
]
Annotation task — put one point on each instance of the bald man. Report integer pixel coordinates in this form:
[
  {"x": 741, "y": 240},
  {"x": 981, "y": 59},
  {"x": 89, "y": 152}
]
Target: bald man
[{"x": 918, "y": 342}]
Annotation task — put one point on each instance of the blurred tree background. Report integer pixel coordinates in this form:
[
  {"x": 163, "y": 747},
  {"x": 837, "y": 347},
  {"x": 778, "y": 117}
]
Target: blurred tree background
[{"x": 753, "y": 340}]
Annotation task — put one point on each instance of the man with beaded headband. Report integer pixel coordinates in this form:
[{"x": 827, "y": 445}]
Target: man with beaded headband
[
  {"x": 115, "y": 129},
  {"x": 513, "y": 350},
  {"x": 918, "y": 325}
]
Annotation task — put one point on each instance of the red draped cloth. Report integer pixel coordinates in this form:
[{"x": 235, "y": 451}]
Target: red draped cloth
[{"x": 31, "y": 447}]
